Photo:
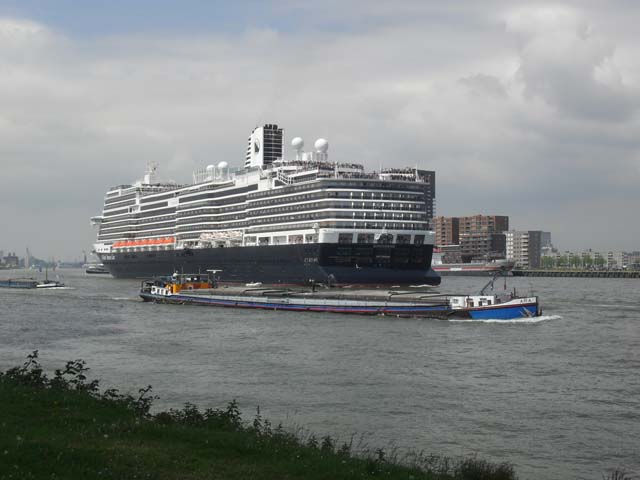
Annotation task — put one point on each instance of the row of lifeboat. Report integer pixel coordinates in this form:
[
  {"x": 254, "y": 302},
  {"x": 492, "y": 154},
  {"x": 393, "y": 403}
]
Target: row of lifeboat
[{"x": 146, "y": 242}]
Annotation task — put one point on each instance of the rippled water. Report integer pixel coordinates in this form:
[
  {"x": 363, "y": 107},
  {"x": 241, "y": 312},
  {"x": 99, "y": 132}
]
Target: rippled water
[{"x": 558, "y": 396}]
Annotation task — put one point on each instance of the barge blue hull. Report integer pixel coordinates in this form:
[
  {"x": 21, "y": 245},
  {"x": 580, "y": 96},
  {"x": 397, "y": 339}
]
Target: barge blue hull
[
  {"x": 440, "y": 311},
  {"x": 506, "y": 313}
]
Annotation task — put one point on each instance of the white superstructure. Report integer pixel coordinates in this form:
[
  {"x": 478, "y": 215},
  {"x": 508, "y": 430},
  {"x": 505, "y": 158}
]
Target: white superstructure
[{"x": 271, "y": 201}]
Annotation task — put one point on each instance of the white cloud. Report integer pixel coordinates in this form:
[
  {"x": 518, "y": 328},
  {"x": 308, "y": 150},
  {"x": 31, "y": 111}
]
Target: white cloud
[{"x": 566, "y": 62}]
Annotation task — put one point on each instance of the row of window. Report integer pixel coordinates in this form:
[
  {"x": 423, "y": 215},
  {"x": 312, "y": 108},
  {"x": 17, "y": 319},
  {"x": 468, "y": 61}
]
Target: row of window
[
  {"x": 139, "y": 228},
  {"x": 150, "y": 233},
  {"x": 116, "y": 212},
  {"x": 126, "y": 203},
  {"x": 382, "y": 196},
  {"x": 338, "y": 183},
  {"x": 237, "y": 200},
  {"x": 212, "y": 210},
  {"x": 302, "y": 226},
  {"x": 157, "y": 198},
  {"x": 357, "y": 205},
  {"x": 209, "y": 196},
  {"x": 304, "y": 215},
  {"x": 388, "y": 238},
  {"x": 127, "y": 221},
  {"x": 240, "y": 222},
  {"x": 119, "y": 198},
  {"x": 154, "y": 205}
]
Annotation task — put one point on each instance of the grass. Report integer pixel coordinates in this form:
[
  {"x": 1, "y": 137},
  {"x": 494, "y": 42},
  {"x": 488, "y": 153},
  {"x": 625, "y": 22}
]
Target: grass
[{"x": 64, "y": 427}]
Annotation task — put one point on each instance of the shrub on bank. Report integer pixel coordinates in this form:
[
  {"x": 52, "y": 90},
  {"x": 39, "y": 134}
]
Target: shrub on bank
[{"x": 65, "y": 427}]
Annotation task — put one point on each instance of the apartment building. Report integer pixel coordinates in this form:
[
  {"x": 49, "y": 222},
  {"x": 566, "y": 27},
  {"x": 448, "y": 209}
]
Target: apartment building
[
  {"x": 524, "y": 248},
  {"x": 477, "y": 235},
  {"x": 447, "y": 230}
]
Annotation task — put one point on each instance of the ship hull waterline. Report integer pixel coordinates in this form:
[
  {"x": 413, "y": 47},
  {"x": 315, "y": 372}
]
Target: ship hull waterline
[{"x": 352, "y": 264}]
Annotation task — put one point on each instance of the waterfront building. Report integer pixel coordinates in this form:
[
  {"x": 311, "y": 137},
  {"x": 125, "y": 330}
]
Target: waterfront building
[
  {"x": 633, "y": 259},
  {"x": 545, "y": 240},
  {"x": 617, "y": 260},
  {"x": 600, "y": 260},
  {"x": 482, "y": 244},
  {"x": 477, "y": 235},
  {"x": 524, "y": 248},
  {"x": 447, "y": 230},
  {"x": 484, "y": 223},
  {"x": 10, "y": 261},
  {"x": 591, "y": 259},
  {"x": 546, "y": 247}
]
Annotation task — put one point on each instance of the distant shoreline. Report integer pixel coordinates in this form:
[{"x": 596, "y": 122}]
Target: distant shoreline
[{"x": 577, "y": 273}]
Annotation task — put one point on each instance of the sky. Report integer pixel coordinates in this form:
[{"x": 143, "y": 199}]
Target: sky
[{"x": 528, "y": 109}]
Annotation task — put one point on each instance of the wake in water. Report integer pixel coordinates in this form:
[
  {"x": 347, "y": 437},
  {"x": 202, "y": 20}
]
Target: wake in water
[{"x": 541, "y": 318}]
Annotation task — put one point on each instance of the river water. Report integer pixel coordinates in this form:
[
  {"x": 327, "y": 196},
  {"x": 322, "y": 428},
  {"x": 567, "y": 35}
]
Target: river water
[{"x": 557, "y": 396}]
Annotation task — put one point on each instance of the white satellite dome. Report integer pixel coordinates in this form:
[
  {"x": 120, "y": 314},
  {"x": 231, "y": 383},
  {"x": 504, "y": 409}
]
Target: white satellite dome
[
  {"x": 222, "y": 165},
  {"x": 297, "y": 143},
  {"x": 321, "y": 145},
  {"x": 210, "y": 167}
]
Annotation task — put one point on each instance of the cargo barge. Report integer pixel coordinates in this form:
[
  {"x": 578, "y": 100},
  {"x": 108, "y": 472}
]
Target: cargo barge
[{"x": 203, "y": 290}]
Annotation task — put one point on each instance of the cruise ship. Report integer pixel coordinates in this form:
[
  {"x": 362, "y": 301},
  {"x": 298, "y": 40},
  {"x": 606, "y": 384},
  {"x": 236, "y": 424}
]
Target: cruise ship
[{"x": 306, "y": 219}]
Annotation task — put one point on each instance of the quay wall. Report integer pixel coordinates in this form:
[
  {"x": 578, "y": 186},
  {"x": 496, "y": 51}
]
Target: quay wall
[{"x": 578, "y": 273}]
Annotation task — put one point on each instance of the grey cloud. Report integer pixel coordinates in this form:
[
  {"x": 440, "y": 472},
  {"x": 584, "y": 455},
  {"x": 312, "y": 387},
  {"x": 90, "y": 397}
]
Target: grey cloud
[{"x": 484, "y": 85}]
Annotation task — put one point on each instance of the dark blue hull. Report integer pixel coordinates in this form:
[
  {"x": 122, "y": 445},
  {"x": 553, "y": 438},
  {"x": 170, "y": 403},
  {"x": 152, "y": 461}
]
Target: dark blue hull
[{"x": 359, "y": 264}]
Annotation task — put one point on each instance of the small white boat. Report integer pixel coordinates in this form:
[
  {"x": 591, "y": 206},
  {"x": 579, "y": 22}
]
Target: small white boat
[{"x": 49, "y": 283}]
